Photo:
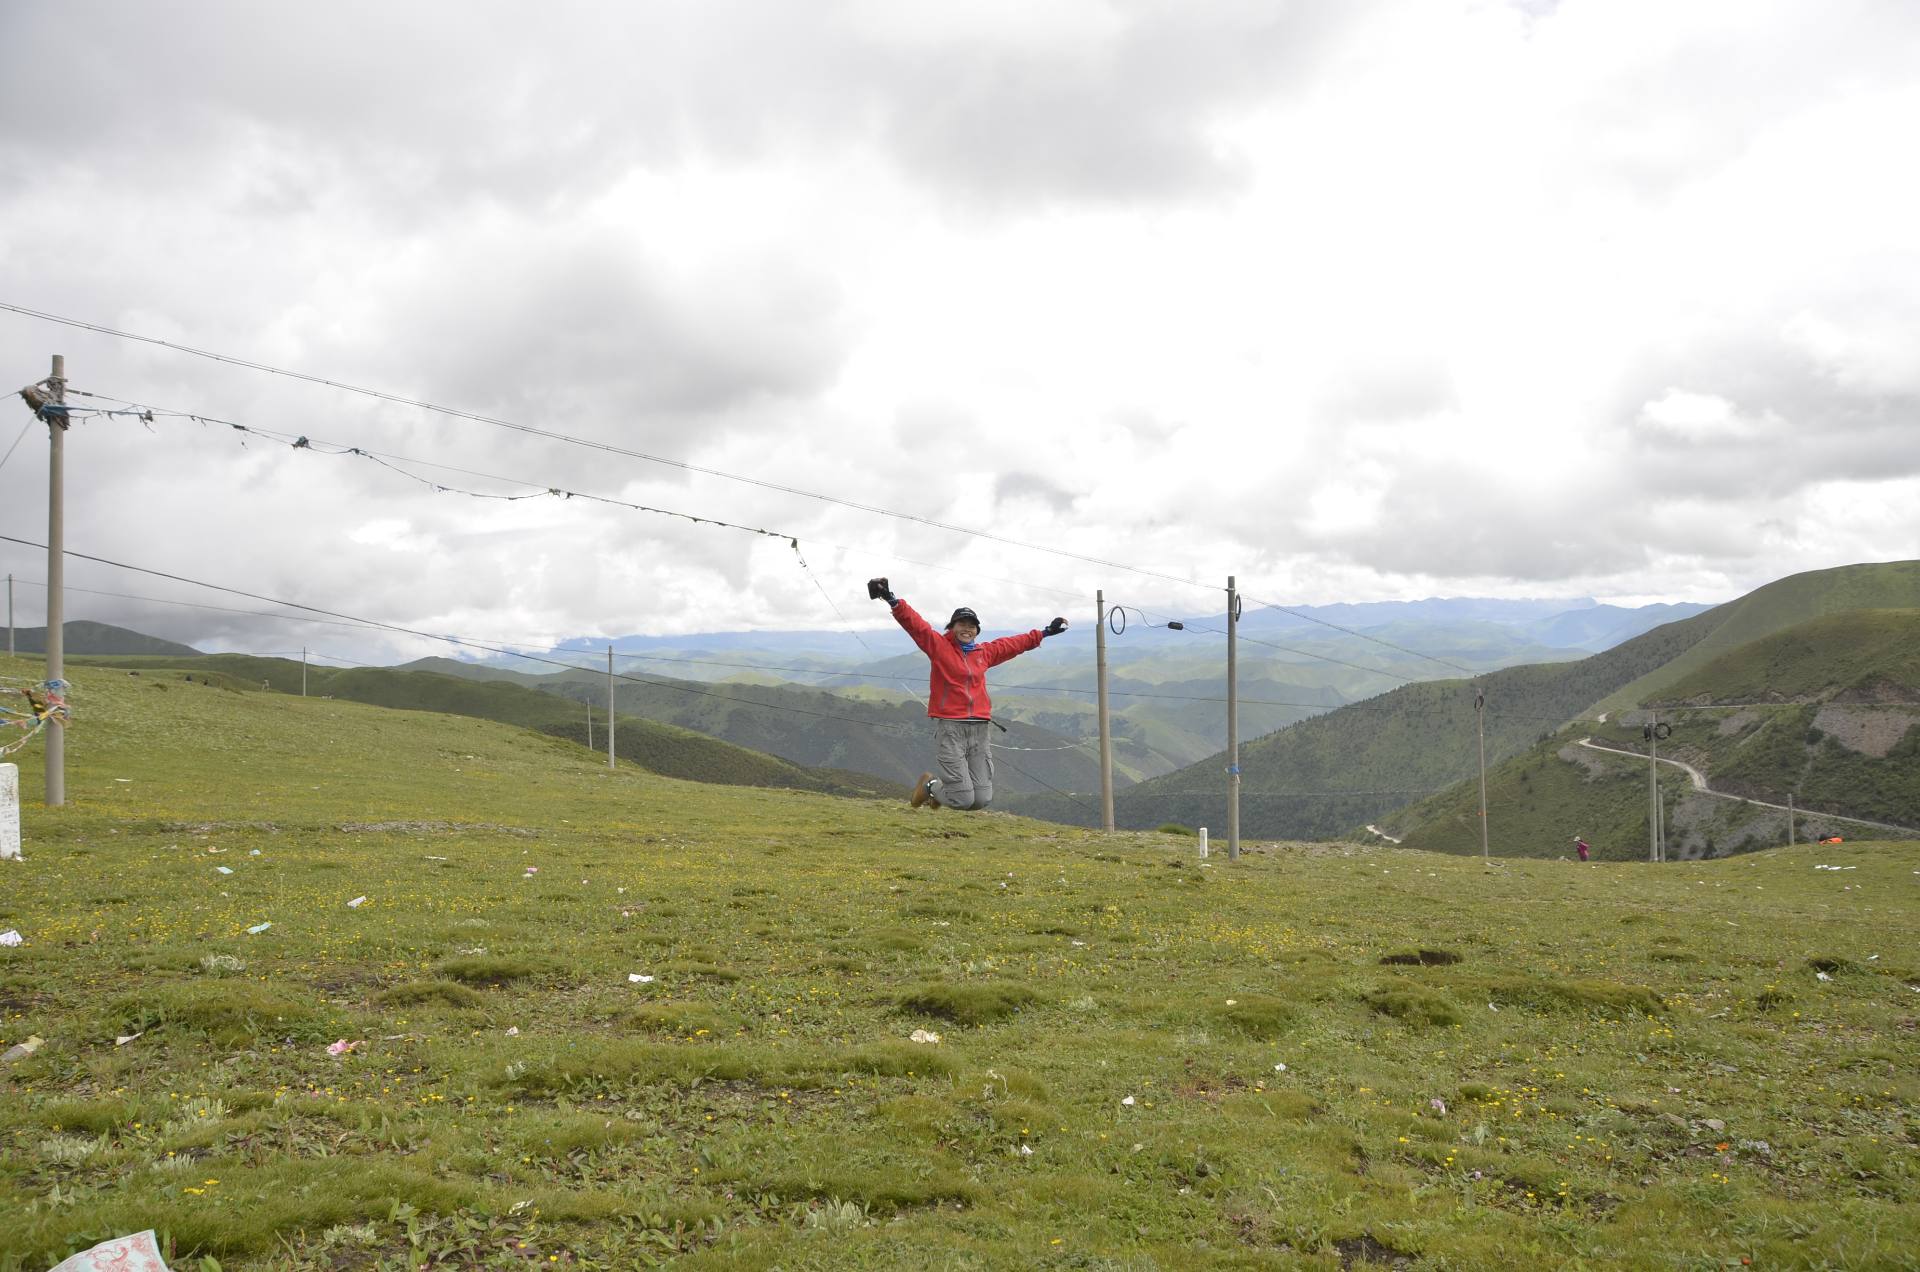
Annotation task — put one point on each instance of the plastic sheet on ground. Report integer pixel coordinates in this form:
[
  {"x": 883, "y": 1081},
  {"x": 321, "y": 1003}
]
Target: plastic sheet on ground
[{"x": 139, "y": 1252}]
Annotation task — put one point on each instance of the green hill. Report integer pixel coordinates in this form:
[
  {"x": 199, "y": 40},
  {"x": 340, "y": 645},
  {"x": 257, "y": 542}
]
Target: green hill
[
  {"x": 1827, "y": 712},
  {"x": 1869, "y": 655},
  {"x": 1340, "y": 770},
  {"x": 659, "y": 748},
  {"x": 85, "y": 637},
  {"x": 1780, "y": 604}
]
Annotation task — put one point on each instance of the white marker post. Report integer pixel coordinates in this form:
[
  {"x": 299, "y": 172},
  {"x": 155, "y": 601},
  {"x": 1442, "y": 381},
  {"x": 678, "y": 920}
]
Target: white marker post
[
  {"x": 9, "y": 812},
  {"x": 1203, "y": 843}
]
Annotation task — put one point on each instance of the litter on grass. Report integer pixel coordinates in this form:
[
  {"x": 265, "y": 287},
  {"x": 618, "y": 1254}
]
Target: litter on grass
[
  {"x": 258, "y": 928},
  {"x": 224, "y": 869},
  {"x": 254, "y": 853},
  {"x": 635, "y": 978},
  {"x": 343, "y": 1047},
  {"x": 20, "y": 1051},
  {"x": 513, "y": 1031},
  {"x": 11, "y": 937},
  {"x": 923, "y": 1035},
  {"x": 139, "y": 1251},
  {"x": 1128, "y": 1101},
  {"x": 356, "y": 903},
  {"x": 1823, "y": 976},
  {"x": 124, "y": 1039}
]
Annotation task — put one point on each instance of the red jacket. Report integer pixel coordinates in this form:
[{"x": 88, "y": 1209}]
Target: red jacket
[{"x": 958, "y": 687}]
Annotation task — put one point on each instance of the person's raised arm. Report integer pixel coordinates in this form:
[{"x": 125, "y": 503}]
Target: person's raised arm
[{"x": 904, "y": 614}]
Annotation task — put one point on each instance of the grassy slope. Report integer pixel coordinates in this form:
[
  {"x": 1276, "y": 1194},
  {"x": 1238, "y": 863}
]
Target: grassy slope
[
  {"x": 1781, "y": 604},
  {"x": 1664, "y": 1082},
  {"x": 1420, "y": 737},
  {"x": 1865, "y": 663},
  {"x": 661, "y": 748},
  {"x": 1856, "y": 655},
  {"x": 1389, "y": 749}
]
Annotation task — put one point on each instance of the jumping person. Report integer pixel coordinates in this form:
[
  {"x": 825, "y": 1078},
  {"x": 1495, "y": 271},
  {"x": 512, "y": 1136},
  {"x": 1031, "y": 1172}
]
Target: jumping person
[{"x": 957, "y": 698}]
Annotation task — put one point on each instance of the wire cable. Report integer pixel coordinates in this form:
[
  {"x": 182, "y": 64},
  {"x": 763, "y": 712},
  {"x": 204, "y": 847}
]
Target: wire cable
[{"x": 592, "y": 444}]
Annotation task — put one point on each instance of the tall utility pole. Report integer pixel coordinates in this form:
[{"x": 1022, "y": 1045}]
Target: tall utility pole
[
  {"x": 1653, "y": 731},
  {"x": 1106, "y": 728},
  {"x": 610, "y": 720},
  {"x": 1789, "y": 819},
  {"x": 57, "y": 579},
  {"x": 303, "y": 671},
  {"x": 9, "y": 615},
  {"x": 589, "y": 726},
  {"x": 1233, "y": 721},
  {"x": 1480, "y": 730}
]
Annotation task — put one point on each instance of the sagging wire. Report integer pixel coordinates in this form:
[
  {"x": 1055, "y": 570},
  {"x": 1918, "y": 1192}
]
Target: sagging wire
[
  {"x": 588, "y": 443},
  {"x": 801, "y": 557}
]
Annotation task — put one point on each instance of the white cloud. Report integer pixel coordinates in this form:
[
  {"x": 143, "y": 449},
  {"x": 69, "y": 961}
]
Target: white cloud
[{"x": 1385, "y": 300}]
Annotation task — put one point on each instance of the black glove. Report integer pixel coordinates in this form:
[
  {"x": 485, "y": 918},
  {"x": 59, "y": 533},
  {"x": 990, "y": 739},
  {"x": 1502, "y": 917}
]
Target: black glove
[
  {"x": 1054, "y": 628},
  {"x": 877, "y": 590}
]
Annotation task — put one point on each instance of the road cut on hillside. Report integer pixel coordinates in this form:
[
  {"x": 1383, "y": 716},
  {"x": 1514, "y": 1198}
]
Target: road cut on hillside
[{"x": 1700, "y": 784}]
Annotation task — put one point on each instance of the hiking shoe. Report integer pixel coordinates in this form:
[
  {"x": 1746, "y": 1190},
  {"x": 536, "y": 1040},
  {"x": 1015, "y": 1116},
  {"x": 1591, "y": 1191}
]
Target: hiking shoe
[{"x": 923, "y": 792}]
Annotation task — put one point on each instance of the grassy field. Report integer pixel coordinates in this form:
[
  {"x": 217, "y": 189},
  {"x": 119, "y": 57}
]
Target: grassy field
[{"x": 1319, "y": 1056}]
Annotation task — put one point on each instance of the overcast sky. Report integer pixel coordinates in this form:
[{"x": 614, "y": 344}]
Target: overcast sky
[{"x": 1355, "y": 301}]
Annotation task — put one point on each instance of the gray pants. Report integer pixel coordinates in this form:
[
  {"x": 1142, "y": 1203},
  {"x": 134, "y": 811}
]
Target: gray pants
[{"x": 964, "y": 760}]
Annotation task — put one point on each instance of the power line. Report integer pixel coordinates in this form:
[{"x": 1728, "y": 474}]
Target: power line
[
  {"x": 592, "y": 444},
  {"x": 17, "y": 441},
  {"x": 1467, "y": 671},
  {"x": 392, "y": 462}
]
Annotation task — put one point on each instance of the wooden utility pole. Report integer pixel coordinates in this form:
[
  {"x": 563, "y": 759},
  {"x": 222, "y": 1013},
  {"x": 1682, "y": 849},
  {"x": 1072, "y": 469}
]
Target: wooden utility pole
[
  {"x": 1656, "y": 850},
  {"x": 1106, "y": 728},
  {"x": 589, "y": 726},
  {"x": 610, "y": 717},
  {"x": 1233, "y": 721},
  {"x": 9, "y": 615},
  {"x": 1789, "y": 819},
  {"x": 57, "y": 579},
  {"x": 303, "y": 671},
  {"x": 1480, "y": 731}
]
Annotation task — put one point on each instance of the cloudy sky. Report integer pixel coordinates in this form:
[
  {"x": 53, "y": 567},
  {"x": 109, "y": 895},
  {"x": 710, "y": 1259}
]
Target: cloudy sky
[{"x": 1355, "y": 301}]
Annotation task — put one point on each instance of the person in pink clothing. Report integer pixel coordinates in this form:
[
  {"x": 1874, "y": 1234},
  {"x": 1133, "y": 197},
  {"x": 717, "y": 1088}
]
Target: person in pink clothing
[
  {"x": 1580, "y": 846},
  {"x": 957, "y": 698}
]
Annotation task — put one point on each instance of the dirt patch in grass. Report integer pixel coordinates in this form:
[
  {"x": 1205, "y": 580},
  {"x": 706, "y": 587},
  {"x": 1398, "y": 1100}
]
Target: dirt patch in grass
[
  {"x": 1364, "y": 1250},
  {"x": 1421, "y": 958},
  {"x": 419, "y": 993},
  {"x": 968, "y": 1002}
]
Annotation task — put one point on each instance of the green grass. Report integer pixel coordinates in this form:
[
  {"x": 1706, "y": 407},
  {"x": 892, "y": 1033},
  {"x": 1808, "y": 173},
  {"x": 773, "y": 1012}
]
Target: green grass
[{"x": 1138, "y": 1067}]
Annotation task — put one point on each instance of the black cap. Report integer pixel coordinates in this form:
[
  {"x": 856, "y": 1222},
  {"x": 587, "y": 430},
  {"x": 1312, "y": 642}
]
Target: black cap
[{"x": 963, "y": 612}]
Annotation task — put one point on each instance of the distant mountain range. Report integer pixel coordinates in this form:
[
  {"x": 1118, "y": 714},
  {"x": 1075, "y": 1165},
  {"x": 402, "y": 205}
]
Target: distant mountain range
[{"x": 1338, "y": 771}]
